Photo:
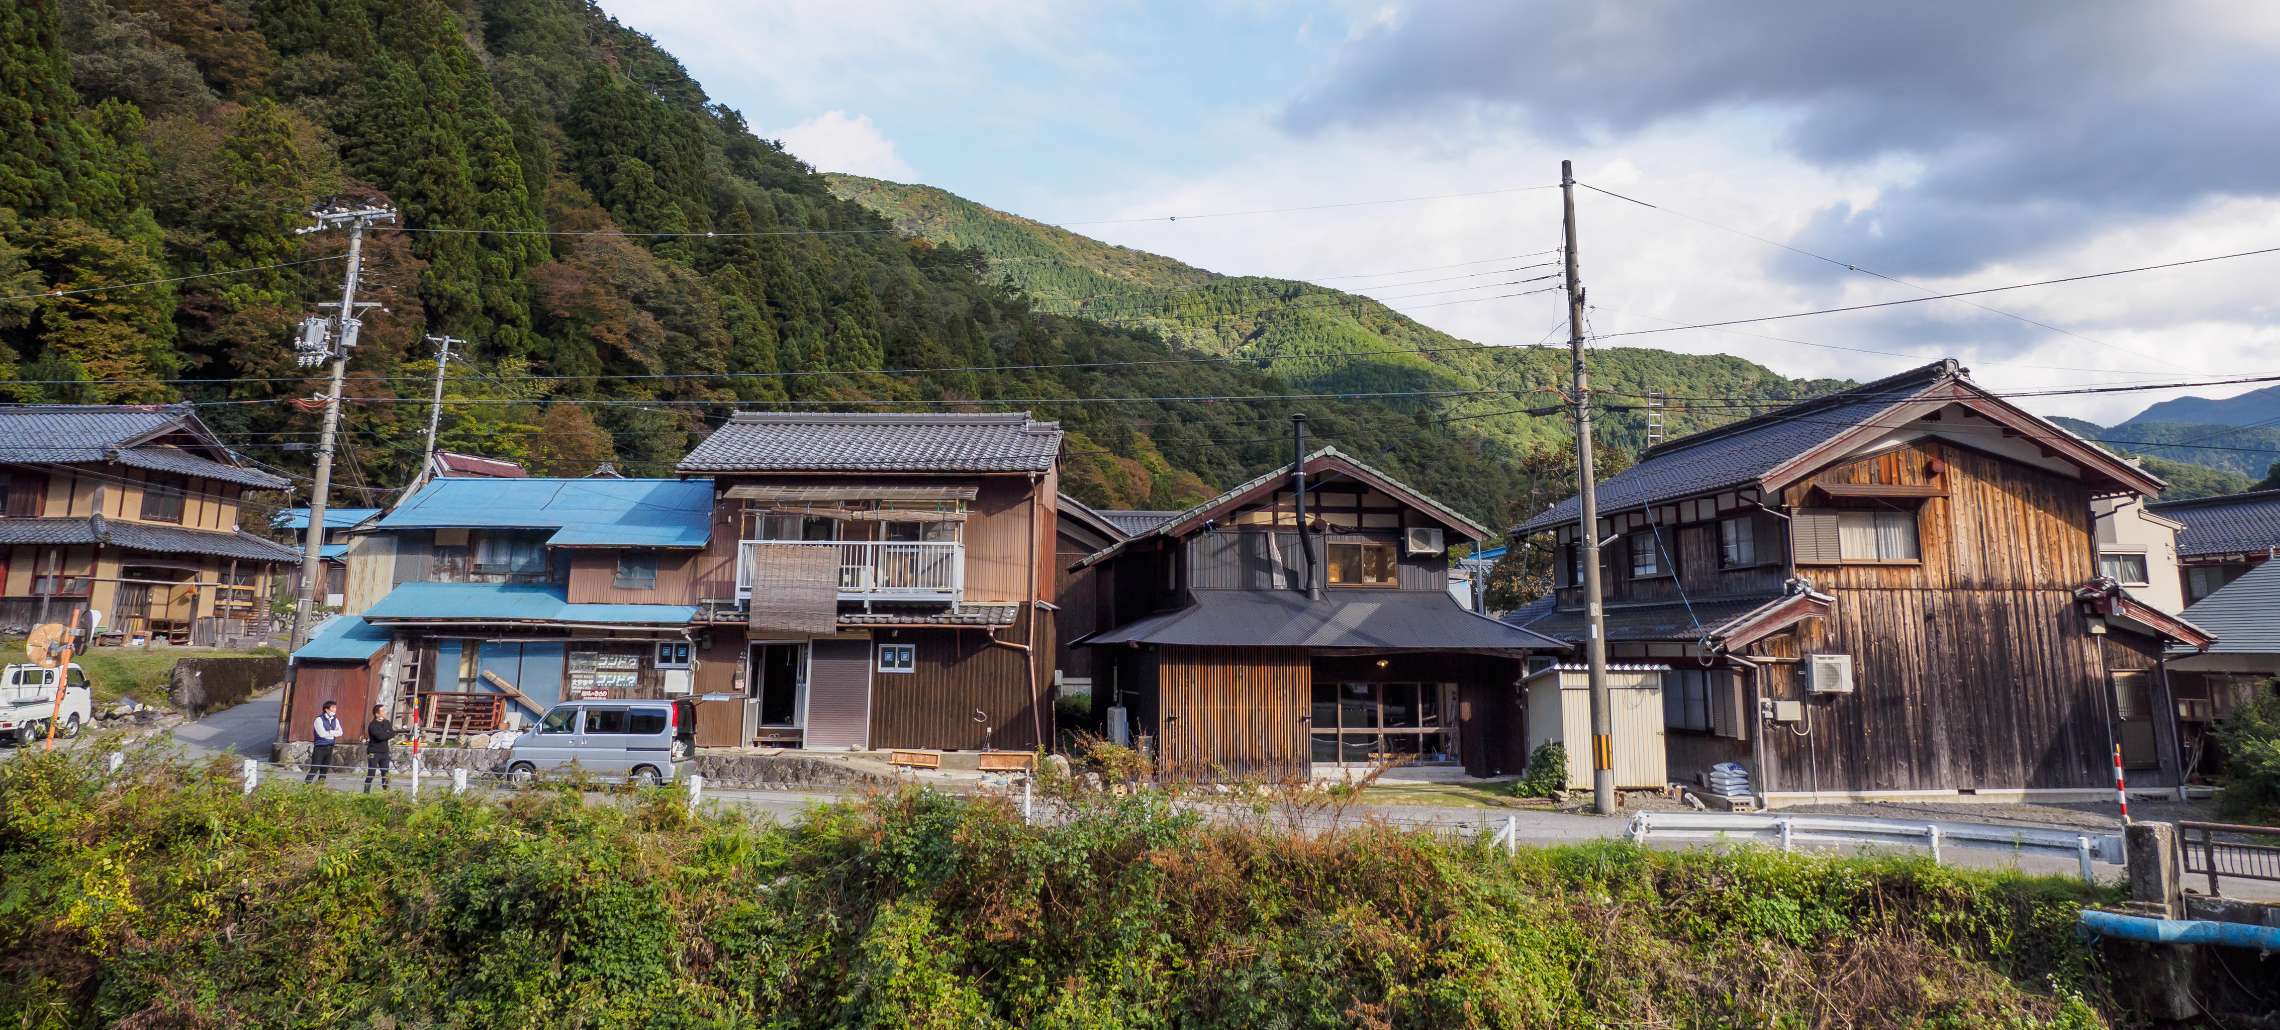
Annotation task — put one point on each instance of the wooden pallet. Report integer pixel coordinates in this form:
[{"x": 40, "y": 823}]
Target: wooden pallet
[
  {"x": 449, "y": 713},
  {"x": 1006, "y": 761},
  {"x": 915, "y": 759}
]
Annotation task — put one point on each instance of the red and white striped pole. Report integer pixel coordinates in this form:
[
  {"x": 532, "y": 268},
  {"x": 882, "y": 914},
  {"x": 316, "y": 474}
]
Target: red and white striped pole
[{"x": 2121, "y": 792}]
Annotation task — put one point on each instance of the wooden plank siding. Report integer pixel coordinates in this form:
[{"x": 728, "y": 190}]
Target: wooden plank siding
[
  {"x": 1973, "y": 667},
  {"x": 1237, "y": 711},
  {"x": 593, "y": 578},
  {"x": 350, "y": 684},
  {"x": 959, "y": 671}
]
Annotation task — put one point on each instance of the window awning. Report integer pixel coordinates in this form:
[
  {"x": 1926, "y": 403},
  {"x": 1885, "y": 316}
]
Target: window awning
[
  {"x": 1871, "y": 490},
  {"x": 814, "y": 493}
]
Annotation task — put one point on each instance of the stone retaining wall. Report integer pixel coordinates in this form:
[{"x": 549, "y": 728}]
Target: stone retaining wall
[{"x": 777, "y": 771}]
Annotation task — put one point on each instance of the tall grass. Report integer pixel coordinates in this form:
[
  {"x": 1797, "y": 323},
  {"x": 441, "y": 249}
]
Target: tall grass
[{"x": 165, "y": 898}]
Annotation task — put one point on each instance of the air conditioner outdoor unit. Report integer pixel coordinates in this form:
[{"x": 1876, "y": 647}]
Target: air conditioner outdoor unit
[
  {"x": 1425, "y": 540},
  {"x": 1831, "y": 674}
]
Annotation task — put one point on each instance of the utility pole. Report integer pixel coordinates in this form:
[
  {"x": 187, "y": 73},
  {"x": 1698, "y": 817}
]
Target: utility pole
[
  {"x": 1587, "y": 493},
  {"x": 318, "y": 342},
  {"x": 435, "y": 409}
]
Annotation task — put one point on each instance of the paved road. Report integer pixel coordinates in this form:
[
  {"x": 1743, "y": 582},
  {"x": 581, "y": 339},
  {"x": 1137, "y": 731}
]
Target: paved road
[{"x": 248, "y": 728}]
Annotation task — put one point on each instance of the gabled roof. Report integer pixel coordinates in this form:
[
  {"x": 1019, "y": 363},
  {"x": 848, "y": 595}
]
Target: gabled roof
[
  {"x": 2241, "y": 614},
  {"x": 141, "y": 536},
  {"x": 2104, "y": 596},
  {"x": 1083, "y": 514},
  {"x": 297, "y": 519},
  {"x": 878, "y": 442},
  {"x": 582, "y": 512},
  {"x": 124, "y": 433},
  {"x": 453, "y": 463},
  {"x": 1710, "y": 618},
  {"x": 2243, "y": 523},
  {"x": 1375, "y": 620},
  {"x": 1771, "y": 450},
  {"x": 1132, "y": 522},
  {"x": 519, "y": 603},
  {"x": 1328, "y": 459}
]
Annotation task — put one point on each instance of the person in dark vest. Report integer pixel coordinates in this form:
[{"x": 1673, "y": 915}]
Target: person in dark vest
[
  {"x": 377, "y": 734},
  {"x": 328, "y": 730}
]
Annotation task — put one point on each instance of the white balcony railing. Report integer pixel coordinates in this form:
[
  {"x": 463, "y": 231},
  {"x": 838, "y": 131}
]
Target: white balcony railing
[{"x": 876, "y": 570}]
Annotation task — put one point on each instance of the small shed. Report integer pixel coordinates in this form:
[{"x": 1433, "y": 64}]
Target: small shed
[
  {"x": 340, "y": 663},
  {"x": 1559, "y": 708}
]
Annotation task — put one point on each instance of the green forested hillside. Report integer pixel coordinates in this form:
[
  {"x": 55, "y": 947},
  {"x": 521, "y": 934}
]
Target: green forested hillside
[
  {"x": 2197, "y": 460},
  {"x": 630, "y": 264}
]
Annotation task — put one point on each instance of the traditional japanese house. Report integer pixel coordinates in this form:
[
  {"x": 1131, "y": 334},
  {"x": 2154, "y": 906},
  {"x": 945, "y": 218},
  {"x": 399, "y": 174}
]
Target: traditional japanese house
[
  {"x": 1078, "y": 530},
  {"x": 132, "y": 510},
  {"x": 2220, "y": 538},
  {"x": 1888, "y": 591},
  {"x": 878, "y": 581},
  {"x": 1300, "y": 625},
  {"x": 497, "y": 598}
]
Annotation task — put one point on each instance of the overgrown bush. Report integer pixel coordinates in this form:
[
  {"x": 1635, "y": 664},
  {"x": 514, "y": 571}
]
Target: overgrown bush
[
  {"x": 164, "y": 897},
  {"x": 2251, "y": 739},
  {"x": 1547, "y": 772}
]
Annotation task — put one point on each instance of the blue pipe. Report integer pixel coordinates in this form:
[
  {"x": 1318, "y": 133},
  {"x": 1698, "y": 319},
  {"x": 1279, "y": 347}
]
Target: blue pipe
[{"x": 2181, "y": 931}]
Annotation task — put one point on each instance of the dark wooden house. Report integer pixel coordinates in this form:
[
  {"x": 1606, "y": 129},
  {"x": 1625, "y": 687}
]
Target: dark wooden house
[
  {"x": 1889, "y": 591},
  {"x": 1242, "y": 640},
  {"x": 878, "y": 581}
]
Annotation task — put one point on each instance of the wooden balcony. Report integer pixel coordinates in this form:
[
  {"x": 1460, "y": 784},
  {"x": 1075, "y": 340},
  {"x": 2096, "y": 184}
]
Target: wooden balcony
[{"x": 875, "y": 570}]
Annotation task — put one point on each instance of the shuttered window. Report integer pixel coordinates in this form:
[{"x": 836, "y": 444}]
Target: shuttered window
[
  {"x": 1822, "y": 536},
  {"x": 1813, "y": 537}
]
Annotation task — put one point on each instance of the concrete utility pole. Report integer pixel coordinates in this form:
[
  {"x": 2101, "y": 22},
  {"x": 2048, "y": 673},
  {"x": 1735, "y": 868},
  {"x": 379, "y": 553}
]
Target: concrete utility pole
[
  {"x": 435, "y": 409},
  {"x": 1587, "y": 493},
  {"x": 317, "y": 344}
]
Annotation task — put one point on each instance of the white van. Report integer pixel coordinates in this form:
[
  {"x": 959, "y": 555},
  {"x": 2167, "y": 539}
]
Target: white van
[
  {"x": 642, "y": 742},
  {"x": 27, "y": 702}
]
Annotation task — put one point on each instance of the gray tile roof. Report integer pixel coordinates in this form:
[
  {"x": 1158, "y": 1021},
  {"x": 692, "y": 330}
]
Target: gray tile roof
[
  {"x": 1134, "y": 523},
  {"x": 2229, "y": 524},
  {"x": 1420, "y": 620},
  {"x": 44, "y": 433},
  {"x": 877, "y": 442},
  {"x": 1659, "y": 622},
  {"x": 1740, "y": 452},
  {"x": 137, "y": 536},
  {"x": 2244, "y": 615}
]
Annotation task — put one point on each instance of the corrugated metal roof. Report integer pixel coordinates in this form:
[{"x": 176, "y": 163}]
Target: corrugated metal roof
[
  {"x": 1419, "y": 620},
  {"x": 1134, "y": 523},
  {"x": 582, "y": 512},
  {"x": 2228, "y": 524},
  {"x": 515, "y": 602},
  {"x": 138, "y": 536},
  {"x": 1659, "y": 622},
  {"x": 297, "y": 519},
  {"x": 344, "y": 638},
  {"x": 333, "y": 552},
  {"x": 2244, "y": 614},
  {"x": 877, "y": 442}
]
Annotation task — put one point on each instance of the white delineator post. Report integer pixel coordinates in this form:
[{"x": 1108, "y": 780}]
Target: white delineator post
[
  {"x": 696, "y": 791},
  {"x": 118, "y": 758},
  {"x": 252, "y": 771},
  {"x": 415, "y": 774},
  {"x": 459, "y": 781}
]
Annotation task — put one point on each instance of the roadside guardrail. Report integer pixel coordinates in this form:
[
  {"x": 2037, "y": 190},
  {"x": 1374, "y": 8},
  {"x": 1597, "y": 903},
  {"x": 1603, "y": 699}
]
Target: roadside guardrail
[{"x": 1791, "y": 831}]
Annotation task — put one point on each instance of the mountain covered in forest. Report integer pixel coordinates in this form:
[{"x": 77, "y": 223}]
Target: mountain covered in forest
[
  {"x": 629, "y": 262},
  {"x": 2203, "y": 458},
  {"x": 2254, "y": 408}
]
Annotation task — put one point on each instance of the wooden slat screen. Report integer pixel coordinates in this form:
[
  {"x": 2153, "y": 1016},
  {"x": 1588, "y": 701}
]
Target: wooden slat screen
[{"x": 1813, "y": 536}]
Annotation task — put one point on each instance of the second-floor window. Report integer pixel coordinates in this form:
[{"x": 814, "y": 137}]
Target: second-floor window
[
  {"x": 636, "y": 570},
  {"x": 1874, "y": 536},
  {"x": 1361, "y": 564},
  {"x": 510, "y": 553},
  {"x": 1646, "y": 555},
  {"x": 1737, "y": 543},
  {"x": 20, "y": 493},
  {"x": 162, "y": 498},
  {"x": 2126, "y": 569}
]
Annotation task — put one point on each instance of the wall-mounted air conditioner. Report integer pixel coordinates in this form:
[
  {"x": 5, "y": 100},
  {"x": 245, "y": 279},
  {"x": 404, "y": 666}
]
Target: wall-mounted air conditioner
[
  {"x": 1829, "y": 673},
  {"x": 1425, "y": 540}
]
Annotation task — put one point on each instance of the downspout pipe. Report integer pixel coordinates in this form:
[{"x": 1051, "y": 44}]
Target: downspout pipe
[
  {"x": 2148, "y": 930},
  {"x": 1298, "y": 485}
]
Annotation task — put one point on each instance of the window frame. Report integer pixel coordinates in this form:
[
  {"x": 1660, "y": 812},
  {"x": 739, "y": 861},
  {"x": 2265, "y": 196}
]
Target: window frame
[
  {"x": 169, "y": 491},
  {"x": 1392, "y": 563},
  {"x": 514, "y": 545},
  {"x": 1876, "y": 516},
  {"x": 1660, "y": 555},
  {"x": 621, "y": 581},
  {"x": 625, "y": 720},
  {"x": 1727, "y": 541},
  {"x": 2144, "y": 567},
  {"x": 884, "y": 660},
  {"x": 672, "y": 654}
]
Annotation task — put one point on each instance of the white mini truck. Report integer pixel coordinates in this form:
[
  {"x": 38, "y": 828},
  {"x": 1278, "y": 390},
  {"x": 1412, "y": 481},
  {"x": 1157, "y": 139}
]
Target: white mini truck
[{"x": 27, "y": 702}]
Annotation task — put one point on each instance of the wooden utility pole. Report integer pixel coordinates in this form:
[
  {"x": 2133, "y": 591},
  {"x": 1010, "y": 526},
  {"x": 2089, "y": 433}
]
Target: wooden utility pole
[
  {"x": 1587, "y": 495},
  {"x": 318, "y": 344}
]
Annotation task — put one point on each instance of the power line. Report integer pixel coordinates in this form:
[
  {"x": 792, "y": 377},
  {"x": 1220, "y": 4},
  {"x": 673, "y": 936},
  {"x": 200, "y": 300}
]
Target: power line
[
  {"x": 1949, "y": 296},
  {"x": 47, "y": 294}
]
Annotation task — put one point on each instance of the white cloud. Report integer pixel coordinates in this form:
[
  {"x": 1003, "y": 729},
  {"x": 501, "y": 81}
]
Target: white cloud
[{"x": 836, "y": 141}]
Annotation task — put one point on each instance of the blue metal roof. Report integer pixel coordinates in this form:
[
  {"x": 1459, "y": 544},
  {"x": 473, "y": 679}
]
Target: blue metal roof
[
  {"x": 2241, "y": 614},
  {"x": 343, "y": 639},
  {"x": 582, "y": 512},
  {"x": 297, "y": 519},
  {"x": 2227, "y": 524},
  {"x": 333, "y": 552},
  {"x": 515, "y": 602}
]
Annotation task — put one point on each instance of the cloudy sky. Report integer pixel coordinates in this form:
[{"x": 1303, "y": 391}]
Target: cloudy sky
[{"x": 1942, "y": 145}]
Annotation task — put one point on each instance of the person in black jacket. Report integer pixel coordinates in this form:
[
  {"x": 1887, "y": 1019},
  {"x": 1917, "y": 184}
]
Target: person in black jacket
[{"x": 377, "y": 734}]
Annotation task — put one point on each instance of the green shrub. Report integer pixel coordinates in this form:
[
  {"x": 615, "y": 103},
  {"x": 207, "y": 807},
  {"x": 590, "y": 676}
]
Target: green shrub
[
  {"x": 2251, "y": 739},
  {"x": 1547, "y": 772},
  {"x": 163, "y": 896}
]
